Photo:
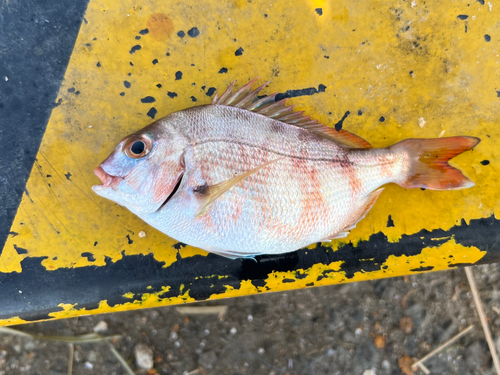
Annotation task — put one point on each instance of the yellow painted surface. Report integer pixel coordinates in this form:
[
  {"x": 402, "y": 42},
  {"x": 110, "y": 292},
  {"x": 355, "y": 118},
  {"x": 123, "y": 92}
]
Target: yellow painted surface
[{"x": 404, "y": 61}]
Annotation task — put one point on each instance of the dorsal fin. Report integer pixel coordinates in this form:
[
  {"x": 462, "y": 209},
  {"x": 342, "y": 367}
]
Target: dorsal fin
[{"x": 247, "y": 99}]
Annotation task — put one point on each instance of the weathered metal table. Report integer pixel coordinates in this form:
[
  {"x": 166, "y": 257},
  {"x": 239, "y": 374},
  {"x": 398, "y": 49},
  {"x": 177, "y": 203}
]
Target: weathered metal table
[{"x": 383, "y": 70}]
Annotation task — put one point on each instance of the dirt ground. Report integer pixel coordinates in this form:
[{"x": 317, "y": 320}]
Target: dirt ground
[{"x": 360, "y": 328}]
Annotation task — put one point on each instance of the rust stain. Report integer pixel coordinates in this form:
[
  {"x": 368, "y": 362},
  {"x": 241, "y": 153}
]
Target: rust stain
[{"x": 160, "y": 26}]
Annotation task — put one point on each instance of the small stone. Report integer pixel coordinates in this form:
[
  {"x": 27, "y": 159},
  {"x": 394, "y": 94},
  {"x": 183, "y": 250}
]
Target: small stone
[
  {"x": 386, "y": 365},
  {"x": 477, "y": 355},
  {"x": 421, "y": 122},
  {"x": 379, "y": 341},
  {"x": 369, "y": 372},
  {"x": 250, "y": 318},
  {"x": 92, "y": 356},
  {"x": 142, "y": 234},
  {"x": 29, "y": 345},
  {"x": 89, "y": 365},
  {"x": 102, "y": 326},
  {"x": 143, "y": 357},
  {"x": 404, "y": 364},
  {"x": 261, "y": 351},
  {"x": 233, "y": 331},
  {"x": 406, "y": 324}
]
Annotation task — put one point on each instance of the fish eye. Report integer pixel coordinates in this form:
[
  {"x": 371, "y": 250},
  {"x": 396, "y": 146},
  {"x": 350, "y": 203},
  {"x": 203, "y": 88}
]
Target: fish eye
[{"x": 138, "y": 146}]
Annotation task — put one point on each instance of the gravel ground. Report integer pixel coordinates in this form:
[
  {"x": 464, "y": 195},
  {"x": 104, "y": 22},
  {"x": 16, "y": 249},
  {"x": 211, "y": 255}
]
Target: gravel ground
[{"x": 364, "y": 328}]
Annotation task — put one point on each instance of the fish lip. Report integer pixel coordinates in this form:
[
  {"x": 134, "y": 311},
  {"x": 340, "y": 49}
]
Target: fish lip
[{"x": 106, "y": 179}]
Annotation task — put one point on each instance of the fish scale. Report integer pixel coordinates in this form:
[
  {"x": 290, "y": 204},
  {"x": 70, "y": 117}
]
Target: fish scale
[{"x": 246, "y": 176}]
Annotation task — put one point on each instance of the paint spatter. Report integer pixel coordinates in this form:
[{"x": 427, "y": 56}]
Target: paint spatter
[
  {"x": 193, "y": 99},
  {"x": 194, "y": 32},
  {"x": 301, "y": 92},
  {"x": 381, "y": 119},
  {"x": 126, "y": 84},
  {"x": 222, "y": 70},
  {"x": 20, "y": 250},
  {"x": 148, "y": 99},
  {"x": 338, "y": 125},
  {"x": 138, "y": 37},
  {"x": 181, "y": 34},
  {"x": 130, "y": 241},
  {"x": 159, "y": 85},
  {"x": 90, "y": 257},
  {"x": 122, "y": 93},
  {"x": 319, "y": 11},
  {"x": 155, "y": 61},
  {"x": 421, "y": 269},
  {"x": 239, "y": 52},
  {"x": 68, "y": 176},
  {"x": 135, "y": 48},
  {"x": 172, "y": 94},
  {"x": 360, "y": 112},
  {"x": 462, "y": 17},
  {"x": 390, "y": 222},
  {"x": 487, "y": 37},
  {"x": 179, "y": 245},
  {"x": 485, "y": 162},
  {"x": 498, "y": 94},
  {"x": 95, "y": 243},
  {"x": 98, "y": 64},
  {"x": 178, "y": 75},
  {"x": 144, "y": 32},
  {"x": 152, "y": 112},
  {"x": 71, "y": 90},
  {"x": 160, "y": 26},
  {"x": 211, "y": 91}
]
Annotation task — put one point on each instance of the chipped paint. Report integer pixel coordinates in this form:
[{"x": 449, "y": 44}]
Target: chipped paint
[{"x": 372, "y": 59}]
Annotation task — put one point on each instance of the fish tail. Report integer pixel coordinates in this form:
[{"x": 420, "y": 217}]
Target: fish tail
[{"x": 428, "y": 162}]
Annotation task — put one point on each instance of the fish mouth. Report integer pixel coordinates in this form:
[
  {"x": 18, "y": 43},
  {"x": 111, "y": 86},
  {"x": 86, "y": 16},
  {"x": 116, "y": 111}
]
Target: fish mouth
[{"x": 106, "y": 179}]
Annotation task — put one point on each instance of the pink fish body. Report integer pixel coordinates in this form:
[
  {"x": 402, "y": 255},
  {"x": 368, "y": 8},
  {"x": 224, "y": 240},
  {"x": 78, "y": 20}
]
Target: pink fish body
[{"x": 246, "y": 176}]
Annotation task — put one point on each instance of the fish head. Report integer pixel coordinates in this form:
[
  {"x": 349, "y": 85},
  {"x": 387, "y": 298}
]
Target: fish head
[{"x": 144, "y": 169}]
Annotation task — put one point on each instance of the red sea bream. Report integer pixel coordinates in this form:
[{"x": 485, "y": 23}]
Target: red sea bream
[{"x": 246, "y": 176}]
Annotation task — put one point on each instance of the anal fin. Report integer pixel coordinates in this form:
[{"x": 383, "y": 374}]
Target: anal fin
[
  {"x": 234, "y": 254},
  {"x": 358, "y": 216}
]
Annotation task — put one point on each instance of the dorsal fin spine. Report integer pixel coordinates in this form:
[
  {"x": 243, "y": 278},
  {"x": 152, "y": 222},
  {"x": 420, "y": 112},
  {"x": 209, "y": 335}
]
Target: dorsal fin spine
[
  {"x": 247, "y": 99},
  {"x": 263, "y": 101}
]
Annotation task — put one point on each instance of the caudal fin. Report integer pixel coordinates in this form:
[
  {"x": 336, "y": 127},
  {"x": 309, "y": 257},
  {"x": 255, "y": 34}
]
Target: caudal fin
[{"x": 429, "y": 166}]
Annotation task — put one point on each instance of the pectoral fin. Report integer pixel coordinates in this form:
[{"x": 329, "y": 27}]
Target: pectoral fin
[{"x": 208, "y": 194}]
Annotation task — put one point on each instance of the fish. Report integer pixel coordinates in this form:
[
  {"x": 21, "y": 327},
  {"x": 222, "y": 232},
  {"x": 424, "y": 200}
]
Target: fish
[{"x": 247, "y": 175}]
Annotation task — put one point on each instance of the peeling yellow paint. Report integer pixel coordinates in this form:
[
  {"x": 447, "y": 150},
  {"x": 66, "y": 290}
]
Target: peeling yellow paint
[{"x": 381, "y": 58}]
